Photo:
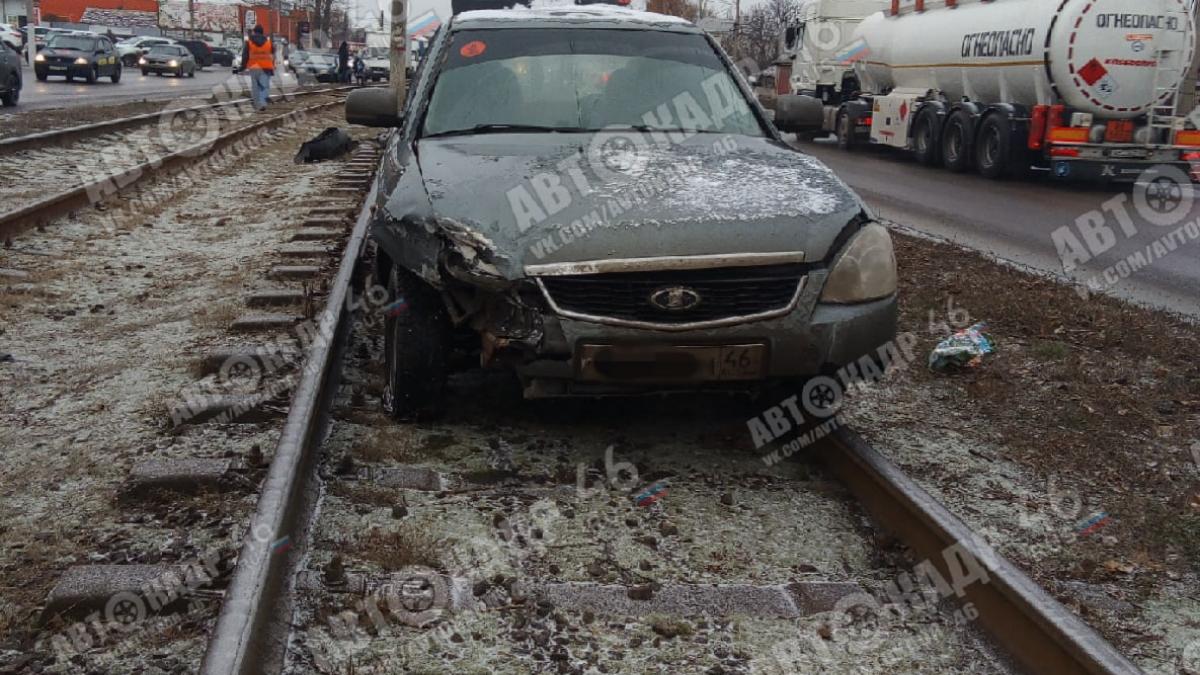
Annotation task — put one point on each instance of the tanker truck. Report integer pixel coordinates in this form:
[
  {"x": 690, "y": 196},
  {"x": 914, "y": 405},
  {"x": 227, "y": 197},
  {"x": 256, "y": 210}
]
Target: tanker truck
[{"x": 1088, "y": 89}]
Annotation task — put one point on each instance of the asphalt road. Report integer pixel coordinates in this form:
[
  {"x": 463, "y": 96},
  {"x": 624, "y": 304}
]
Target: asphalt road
[
  {"x": 58, "y": 93},
  {"x": 1014, "y": 220}
]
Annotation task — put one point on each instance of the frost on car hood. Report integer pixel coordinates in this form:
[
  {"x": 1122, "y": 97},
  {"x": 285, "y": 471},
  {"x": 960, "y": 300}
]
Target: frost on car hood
[{"x": 545, "y": 198}]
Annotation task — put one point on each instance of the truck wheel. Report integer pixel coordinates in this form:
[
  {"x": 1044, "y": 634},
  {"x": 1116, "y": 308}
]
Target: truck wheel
[
  {"x": 992, "y": 151},
  {"x": 926, "y": 139},
  {"x": 417, "y": 346},
  {"x": 845, "y": 131},
  {"x": 956, "y": 146}
]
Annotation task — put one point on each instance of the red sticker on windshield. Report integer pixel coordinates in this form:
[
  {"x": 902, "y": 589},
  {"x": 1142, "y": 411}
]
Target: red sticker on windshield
[{"x": 473, "y": 48}]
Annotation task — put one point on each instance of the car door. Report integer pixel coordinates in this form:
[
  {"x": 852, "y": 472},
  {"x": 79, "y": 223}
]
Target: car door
[{"x": 106, "y": 59}]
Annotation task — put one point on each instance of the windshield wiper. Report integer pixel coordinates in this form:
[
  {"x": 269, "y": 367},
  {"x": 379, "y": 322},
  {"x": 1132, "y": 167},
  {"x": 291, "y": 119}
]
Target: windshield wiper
[{"x": 508, "y": 128}]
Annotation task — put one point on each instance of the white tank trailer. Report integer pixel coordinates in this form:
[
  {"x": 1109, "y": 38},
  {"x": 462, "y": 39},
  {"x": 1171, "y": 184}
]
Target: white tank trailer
[{"x": 1088, "y": 89}]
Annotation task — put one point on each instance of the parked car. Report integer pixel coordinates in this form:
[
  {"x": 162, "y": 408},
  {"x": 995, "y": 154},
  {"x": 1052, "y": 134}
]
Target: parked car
[
  {"x": 40, "y": 35},
  {"x": 10, "y": 36},
  {"x": 134, "y": 48},
  {"x": 201, "y": 52},
  {"x": 10, "y": 77},
  {"x": 222, "y": 57},
  {"x": 174, "y": 59},
  {"x": 83, "y": 55},
  {"x": 319, "y": 66},
  {"x": 688, "y": 248},
  {"x": 379, "y": 67}
]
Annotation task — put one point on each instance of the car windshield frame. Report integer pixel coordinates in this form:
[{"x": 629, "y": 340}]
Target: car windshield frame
[
  {"x": 322, "y": 59},
  {"x": 73, "y": 41},
  {"x": 628, "y": 57}
]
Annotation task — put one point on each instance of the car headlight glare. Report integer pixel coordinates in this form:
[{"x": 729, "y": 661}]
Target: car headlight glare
[
  {"x": 142, "y": 61},
  {"x": 866, "y": 269},
  {"x": 81, "y": 61},
  {"x": 172, "y": 63},
  {"x": 40, "y": 58}
]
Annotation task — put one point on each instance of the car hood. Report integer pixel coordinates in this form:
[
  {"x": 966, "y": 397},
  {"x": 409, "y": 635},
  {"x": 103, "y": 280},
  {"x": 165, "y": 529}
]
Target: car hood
[
  {"x": 704, "y": 195},
  {"x": 59, "y": 51}
]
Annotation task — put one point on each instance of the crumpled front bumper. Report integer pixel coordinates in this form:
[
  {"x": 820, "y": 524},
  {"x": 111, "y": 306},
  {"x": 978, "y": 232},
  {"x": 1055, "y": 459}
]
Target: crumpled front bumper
[{"x": 814, "y": 338}]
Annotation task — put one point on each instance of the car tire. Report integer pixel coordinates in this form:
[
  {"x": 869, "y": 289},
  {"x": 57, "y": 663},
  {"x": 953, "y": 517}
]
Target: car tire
[
  {"x": 926, "y": 138},
  {"x": 956, "y": 144},
  {"x": 417, "y": 349},
  {"x": 192, "y": 73},
  {"x": 145, "y": 72},
  {"x": 93, "y": 75},
  {"x": 70, "y": 77},
  {"x": 13, "y": 95},
  {"x": 116, "y": 75},
  {"x": 993, "y": 149},
  {"x": 41, "y": 77},
  {"x": 845, "y": 131}
]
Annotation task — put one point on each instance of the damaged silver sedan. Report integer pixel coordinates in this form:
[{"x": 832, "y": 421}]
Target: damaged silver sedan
[{"x": 592, "y": 197}]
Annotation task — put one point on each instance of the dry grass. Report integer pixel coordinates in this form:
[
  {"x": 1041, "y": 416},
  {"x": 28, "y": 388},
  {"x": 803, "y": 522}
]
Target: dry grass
[
  {"x": 217, "y": 316},
  {"x": 388, "y": 444},
  {"x": 408, "y": 545},
  {"x": 1100, "y": 393},
  {"x": 373, "y": 495}
]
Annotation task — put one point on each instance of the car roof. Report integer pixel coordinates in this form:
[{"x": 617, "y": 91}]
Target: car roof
[{"x": 581, "y": 16}]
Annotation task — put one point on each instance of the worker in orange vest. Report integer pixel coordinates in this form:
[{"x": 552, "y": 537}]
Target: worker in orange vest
[{"x": 258, "y": 57}]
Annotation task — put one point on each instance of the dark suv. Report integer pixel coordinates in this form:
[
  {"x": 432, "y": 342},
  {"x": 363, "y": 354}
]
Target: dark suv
[
  {"x": 10, "y": 77},
  {"x": 200, "y": 50}
]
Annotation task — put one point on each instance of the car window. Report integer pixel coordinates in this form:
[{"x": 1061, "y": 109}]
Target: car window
[
  {"x": 65, "y": 41},
  {"x": 586, "y": 79},
  {"x": 105, "y": 44},
  {"x": 165, "y": 50}
]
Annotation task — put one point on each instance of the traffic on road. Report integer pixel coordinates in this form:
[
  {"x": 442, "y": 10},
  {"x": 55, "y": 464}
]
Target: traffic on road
[{"x": 601, "y": 336}]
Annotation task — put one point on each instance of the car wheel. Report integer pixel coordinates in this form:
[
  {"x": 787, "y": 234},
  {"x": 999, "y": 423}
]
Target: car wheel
[
  {"x": 925, "y": 139},
  {"x": 116, "y": 76},
  {"x": 70, "y": 77},
  {"x": 956, "y": 147},
  {"x": 93, "y": 75},
  {"x": 41, "y": 77},
  {"x": 192, "y": 73},
  {"x": 145, "y": 72},
  {"x": 845, "y": 131},
  {"x": 417, "y": 346},
  {"x": 10, "y": 97}
]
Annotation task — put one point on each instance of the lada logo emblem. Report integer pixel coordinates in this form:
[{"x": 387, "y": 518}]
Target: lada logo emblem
[{"x": 675, "y": 298}]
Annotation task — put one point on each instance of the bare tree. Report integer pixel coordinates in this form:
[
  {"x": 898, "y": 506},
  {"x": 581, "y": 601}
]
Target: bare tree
[
  {"x": 757, "y": 36},
  {"x": 681, "y": 8}
]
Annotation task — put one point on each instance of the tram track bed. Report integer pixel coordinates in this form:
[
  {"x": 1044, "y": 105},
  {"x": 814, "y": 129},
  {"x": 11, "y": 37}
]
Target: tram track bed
[{"x": 108, "y": 316}]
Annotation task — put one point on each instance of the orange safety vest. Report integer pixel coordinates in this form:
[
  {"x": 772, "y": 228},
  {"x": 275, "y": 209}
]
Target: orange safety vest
[{"x": 261, "y": 58}]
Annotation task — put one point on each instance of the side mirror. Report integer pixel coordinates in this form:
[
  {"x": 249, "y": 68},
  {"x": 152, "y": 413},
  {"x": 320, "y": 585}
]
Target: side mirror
[{"x": 373, "y": 108}]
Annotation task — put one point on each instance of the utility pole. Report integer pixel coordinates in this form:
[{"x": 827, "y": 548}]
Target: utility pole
[
  {"x": 398, "y": 54},
  {"x": 30, "y": 37}
]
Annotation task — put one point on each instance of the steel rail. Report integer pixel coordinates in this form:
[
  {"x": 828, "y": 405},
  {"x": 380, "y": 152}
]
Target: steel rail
[
  {"x": 252, "y": 628},
  {"x": 79, "y": 196},
  {"x": 58, "y": 136},
  {"x": 1037, "y": 631}
]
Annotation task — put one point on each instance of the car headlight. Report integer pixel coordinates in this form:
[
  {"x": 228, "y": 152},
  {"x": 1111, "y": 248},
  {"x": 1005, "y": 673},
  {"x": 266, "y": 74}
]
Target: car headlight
[
  {"x": 81, "y": 61},
  {"x": 172, "y": 63},
  {"x": 40, "y": 58},
  {"x": 866, "y": 269},
  {"x": 142, "y": 61}
]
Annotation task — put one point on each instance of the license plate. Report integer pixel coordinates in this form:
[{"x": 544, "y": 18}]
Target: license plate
[
  {"x": 58, "y": 67},
  {"x": 1129, "y": 154},
  {"x": 672, "y": 363}
]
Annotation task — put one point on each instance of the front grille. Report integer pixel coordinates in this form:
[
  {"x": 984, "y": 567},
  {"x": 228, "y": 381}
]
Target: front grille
[{"x": 724, "y": 293}]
